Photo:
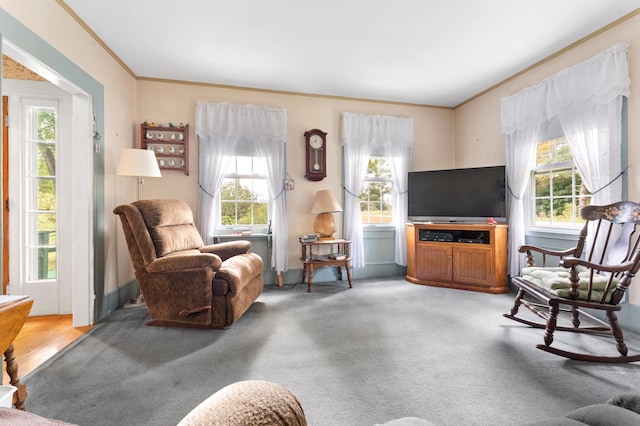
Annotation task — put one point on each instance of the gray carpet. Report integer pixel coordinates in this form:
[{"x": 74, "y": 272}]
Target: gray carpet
[{"x": 383, "y": 350}]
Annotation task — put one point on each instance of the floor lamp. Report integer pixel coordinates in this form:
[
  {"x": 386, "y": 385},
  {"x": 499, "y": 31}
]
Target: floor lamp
[{"x": 141, "y": 163}]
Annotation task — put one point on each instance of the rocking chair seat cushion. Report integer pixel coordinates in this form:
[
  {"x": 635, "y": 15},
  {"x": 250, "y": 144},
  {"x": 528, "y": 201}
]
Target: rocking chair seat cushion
[{"x": 556, "y": 280}]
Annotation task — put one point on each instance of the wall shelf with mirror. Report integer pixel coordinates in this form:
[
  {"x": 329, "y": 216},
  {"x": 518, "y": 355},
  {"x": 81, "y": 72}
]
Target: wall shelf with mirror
[{"x": 171, "y": 145}]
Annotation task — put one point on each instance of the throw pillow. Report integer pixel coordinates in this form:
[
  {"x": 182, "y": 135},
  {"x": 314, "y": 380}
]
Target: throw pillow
[
  {"x": 629, "y": 400},
  {"x": 605, "y": 415}
]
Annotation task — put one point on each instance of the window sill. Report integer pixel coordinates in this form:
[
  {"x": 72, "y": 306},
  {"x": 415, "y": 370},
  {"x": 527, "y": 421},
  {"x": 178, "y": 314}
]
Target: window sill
[
  {"x": 256, "y": 237},
  {"x": 558, "y": 234},
  {"x": 253, "y": 234},
  {"x": 376, "y": 226}
]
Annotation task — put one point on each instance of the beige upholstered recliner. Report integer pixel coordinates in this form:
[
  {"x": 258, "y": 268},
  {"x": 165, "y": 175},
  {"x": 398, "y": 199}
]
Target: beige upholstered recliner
[{"x": 184, "y": 282}]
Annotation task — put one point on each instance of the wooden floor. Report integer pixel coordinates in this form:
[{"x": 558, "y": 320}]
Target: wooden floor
[{"x": 40, "y": 338}]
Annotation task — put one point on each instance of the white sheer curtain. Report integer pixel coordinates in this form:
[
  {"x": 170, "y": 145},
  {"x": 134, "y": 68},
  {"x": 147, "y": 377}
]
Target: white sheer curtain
[
  {"x": 364, "y": 136},
  {"x": 229, "y": 129},
  {"x": 587, "y": 100},
  {"x": 521, "y": 157},
  {"x": 594, "y": 135}
]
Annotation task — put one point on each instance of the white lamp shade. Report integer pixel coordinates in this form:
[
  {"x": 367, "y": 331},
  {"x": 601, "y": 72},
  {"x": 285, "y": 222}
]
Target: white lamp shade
[
  {"x": 325, "y": 202},
  {"x": 138, "y": 162}
]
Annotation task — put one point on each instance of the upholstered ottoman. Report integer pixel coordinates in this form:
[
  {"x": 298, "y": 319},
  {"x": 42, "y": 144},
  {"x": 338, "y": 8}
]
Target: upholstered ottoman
[
  {"x": 14, "y": 417},
  {"x": 252, "y": 402}
]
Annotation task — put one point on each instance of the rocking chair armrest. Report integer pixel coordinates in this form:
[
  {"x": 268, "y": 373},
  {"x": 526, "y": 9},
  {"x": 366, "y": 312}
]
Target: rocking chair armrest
[
  {"x": 570, "y": 262},
  {"x": 180, "y": 263},
  {"x": 227, "y": 249},
  {"x": 559, "y": 253}
]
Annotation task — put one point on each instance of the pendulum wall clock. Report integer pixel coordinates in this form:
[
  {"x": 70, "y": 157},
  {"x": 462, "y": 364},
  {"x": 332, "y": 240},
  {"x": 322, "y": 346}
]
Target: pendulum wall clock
[{"x": 316, "y": 154}]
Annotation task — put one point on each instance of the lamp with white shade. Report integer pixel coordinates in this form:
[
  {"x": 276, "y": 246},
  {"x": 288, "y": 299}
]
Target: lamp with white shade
[
  {"x": 138, "y": 162},
  {"x": 324, "y": 206},
  {"x": 141, "y": 163}
]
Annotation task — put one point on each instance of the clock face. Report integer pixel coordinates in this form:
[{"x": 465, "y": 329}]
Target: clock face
[{"x": 316, "y": 142}]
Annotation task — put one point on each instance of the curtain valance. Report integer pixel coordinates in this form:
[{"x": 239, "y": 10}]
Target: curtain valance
[
  {"x": 377, "y": 131},
  {"x": 240, "y": 125},
  {"x": 596, "y": 81}
]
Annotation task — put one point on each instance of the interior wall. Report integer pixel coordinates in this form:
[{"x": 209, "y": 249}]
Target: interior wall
[
  {"x": 163, "y": 102},
  {"x": 478, "y": 137},
  {"x": 53, "y": 24}
]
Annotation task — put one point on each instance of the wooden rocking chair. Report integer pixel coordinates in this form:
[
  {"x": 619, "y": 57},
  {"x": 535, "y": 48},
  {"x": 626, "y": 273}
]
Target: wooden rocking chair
[{"x": 597, "y": 282}]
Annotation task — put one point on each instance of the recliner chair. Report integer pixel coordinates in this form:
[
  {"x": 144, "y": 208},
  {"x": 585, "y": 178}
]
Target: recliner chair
[{"x": 184, "y": 282}]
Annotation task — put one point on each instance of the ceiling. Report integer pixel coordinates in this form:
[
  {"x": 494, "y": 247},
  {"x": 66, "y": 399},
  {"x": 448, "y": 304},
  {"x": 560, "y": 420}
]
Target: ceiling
[{"x": 428, "y": 52}]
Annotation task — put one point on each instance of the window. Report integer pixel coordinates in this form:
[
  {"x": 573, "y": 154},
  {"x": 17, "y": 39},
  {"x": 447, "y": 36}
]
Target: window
[
  {"x": 39, "y": 191},
  {"x": 244, "y": 193},
  {"x": 557, "y": 191},
  {"x": 375, "y": 198}
]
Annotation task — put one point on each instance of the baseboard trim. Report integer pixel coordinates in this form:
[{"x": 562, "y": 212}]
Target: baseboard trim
[{"x": 115, "y": 299}]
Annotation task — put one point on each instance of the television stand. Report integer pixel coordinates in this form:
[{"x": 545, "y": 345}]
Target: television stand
[{"x": 466, "y": 256}]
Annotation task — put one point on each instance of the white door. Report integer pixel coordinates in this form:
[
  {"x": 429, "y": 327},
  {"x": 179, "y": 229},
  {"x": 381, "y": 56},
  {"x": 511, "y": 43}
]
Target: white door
[{"x": 37, "y": 124}]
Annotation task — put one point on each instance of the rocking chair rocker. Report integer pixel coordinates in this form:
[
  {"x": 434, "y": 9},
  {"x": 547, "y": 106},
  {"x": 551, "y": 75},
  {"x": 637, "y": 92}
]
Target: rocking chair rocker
[{"x": 597, "y": 283}]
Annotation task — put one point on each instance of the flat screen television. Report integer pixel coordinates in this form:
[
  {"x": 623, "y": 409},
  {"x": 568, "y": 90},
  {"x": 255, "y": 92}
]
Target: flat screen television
[{"x": 458, "y": 195}]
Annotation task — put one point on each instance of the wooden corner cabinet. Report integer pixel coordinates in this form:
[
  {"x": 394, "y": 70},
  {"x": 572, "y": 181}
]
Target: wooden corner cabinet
[
  {"x": 466, "y": 256},
  {"x": 171, "y": 145}
]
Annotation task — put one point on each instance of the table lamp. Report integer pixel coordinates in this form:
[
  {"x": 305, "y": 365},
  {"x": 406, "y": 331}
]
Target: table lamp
[{"x": 324, "y": 206}]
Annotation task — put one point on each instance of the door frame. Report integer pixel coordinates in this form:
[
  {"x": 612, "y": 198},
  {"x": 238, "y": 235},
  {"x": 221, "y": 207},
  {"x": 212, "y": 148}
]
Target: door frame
[
  {"x": 85, "y": 160},
  {"x": 5, "y": 195}
]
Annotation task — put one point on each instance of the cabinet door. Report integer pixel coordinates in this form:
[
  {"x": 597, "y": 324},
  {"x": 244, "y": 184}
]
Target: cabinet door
[
  {"x": 433, "y": 262},
  {"x": 472, "y": 264}
]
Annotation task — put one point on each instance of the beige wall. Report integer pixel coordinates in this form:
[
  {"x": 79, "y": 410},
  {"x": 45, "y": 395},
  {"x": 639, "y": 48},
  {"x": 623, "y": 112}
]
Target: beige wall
[
  {"x": 60, "y": 30},
  {"x": 478, "y": 138},
  {"x": 162, "y": 102}
]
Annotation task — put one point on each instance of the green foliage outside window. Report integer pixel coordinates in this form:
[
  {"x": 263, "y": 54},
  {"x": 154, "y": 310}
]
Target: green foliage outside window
[
  {"x": 559, "y": 193},
  {"x": 46, "y": 152},
  {"x": 244, "y": 192},
  {"x": 375, "y": 197},
  {"x": 240, "y": 205},
  {"x": 46, "y": 199}
]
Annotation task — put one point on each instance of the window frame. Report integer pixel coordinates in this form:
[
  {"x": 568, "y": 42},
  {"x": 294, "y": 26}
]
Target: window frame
[
  {"x": 237, "y": 175},
  {"x": 39, "y": 253},
  {"x": 367, "y": 179},
  {"x": 531, "y": 198}
]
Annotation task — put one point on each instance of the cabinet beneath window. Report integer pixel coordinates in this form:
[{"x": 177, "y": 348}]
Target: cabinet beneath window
[
  {"x": 463, "y": 256},
  {"x": 171, "y": 145}
]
